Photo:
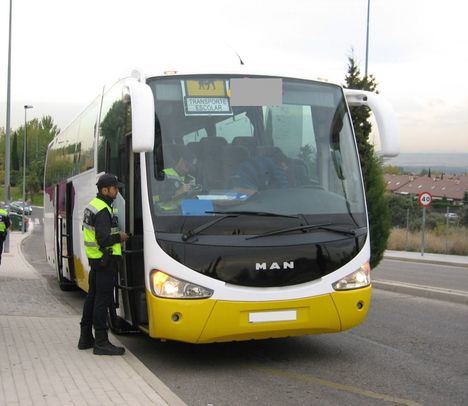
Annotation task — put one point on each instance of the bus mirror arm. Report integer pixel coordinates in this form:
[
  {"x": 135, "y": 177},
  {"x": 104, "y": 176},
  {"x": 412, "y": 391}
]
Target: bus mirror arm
[
  {"x": 384, "y": 115},
  {"x": 158, "y": 154}
]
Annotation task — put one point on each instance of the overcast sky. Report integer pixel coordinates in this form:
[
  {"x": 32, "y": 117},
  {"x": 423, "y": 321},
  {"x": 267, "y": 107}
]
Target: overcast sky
[{"x": 63, "y": 52}]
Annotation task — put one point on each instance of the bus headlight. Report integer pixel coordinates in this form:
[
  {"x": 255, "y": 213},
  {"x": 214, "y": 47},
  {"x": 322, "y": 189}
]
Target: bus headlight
[
  {"x": 357, "y": 279},
  {"x": 164, "y": 285}
]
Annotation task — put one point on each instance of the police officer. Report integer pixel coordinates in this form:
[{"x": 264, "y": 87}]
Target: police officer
[
  {"x": 4, "y": 226},
  {"x": 102, "y": 240}
]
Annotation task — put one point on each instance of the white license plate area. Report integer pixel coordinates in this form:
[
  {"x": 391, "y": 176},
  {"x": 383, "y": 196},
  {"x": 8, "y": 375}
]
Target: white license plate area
[{"x": 265, "y": 317}]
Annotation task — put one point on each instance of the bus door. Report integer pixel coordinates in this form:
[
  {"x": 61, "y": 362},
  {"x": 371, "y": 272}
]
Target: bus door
[
  {"x": 64, "y": 235},
  {"x": 130, "y": 298},
  {"x": 115, "y": 155}
]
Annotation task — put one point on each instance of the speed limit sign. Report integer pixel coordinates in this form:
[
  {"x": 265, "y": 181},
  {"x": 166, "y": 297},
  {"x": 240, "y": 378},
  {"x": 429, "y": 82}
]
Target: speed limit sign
[{"x": 425, "y": 199}]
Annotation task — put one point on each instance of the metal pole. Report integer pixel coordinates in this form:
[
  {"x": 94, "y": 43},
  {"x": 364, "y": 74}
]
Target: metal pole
[
  {"x": 24, "y": 167},
  {"x": 25, "y": 141},
  {"x": 407, "y": 229},
  {"x": 6, "y": 191},
  {"x": 367, "y": 37},
  {"x": 446, "y": 230},
  {"x": 423, "y": 231}
]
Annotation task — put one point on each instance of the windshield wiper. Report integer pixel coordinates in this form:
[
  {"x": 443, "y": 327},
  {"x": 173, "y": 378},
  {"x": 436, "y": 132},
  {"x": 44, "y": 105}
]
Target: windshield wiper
[
  {"x": 199, "y": 229},
  {"x": 325, "y": 226},
  {"x": 195, "y": 231}
]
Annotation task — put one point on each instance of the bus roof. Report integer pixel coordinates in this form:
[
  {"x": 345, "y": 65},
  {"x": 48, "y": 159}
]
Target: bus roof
[{"x": 181, "y": 70}]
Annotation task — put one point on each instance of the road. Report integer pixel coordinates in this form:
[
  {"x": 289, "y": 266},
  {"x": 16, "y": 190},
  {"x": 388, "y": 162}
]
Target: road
[
  {"x": 409, "y": 351},
  {"x": 435, "y": 275}
]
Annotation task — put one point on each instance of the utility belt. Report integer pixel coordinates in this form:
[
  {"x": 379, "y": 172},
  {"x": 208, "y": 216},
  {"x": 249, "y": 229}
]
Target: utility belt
[{"x": 106, "y": 261}]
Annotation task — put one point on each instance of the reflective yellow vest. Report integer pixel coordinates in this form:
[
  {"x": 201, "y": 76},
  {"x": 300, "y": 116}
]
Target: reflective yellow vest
[
  {"x": 89, "y": 233},
  {"x": 3, "y": 215},
  {"x": 173, "y": 204}
]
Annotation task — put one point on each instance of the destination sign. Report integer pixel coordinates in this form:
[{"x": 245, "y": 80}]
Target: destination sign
[
  {"x": 206, "y": 97},
  {"x": 207, "y": 106}
]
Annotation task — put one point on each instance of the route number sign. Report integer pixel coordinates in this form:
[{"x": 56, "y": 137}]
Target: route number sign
[{"x": 425, "y": 199}]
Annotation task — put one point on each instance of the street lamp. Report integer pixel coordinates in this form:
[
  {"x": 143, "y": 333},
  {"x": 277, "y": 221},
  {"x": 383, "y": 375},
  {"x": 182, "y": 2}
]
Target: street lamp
[
  {"x": 6, "y": 191},
  {"x": 26, "y": 107},
  {"x": 367, "y": 37}
]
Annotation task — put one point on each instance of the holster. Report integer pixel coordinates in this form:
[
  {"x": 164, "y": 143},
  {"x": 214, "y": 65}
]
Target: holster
[{"x": 106, "y": 257}]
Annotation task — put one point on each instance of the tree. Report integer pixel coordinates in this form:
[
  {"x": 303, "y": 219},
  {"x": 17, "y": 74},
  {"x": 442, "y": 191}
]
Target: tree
[
  {"x": 464, "y": 216},
  {"x": 39, "y": 133},
  {"x": 392, "y": 170},
  {"x": 14, "y": 153},
  {"x": 398, "y": 206},
  {"x": 372, "y": 171}
]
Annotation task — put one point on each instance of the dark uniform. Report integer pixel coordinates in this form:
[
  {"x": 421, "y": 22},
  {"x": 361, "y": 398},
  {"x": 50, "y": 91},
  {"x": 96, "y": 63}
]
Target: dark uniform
[
  {"x": 103, "y": 249},
  {"x": 4, "y": 226}
]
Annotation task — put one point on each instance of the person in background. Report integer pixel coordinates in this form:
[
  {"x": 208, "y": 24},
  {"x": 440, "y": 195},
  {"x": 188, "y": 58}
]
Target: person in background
[
  {"x": 102, "y": 241},
  {"x": 4, "y": 227}
]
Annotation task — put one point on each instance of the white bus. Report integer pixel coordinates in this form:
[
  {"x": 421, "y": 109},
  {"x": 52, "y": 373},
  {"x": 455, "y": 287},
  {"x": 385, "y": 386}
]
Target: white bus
[{"x": 270, "y": 235}]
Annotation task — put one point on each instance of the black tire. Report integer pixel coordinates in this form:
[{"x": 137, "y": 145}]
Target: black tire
[
  {"x": 67, "y": 286},
  {"x": 64, "y": 284}
]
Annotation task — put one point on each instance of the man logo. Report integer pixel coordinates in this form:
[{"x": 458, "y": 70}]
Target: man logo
[{"x": 263, "y": 266}]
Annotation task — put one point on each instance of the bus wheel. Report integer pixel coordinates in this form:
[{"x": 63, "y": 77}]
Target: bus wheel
[{"x": 67, "y": 286}]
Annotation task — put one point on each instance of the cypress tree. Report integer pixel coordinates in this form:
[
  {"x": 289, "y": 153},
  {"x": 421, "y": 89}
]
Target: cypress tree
[
  {"x": 14, "y": 153},
  {"x": 371, "y": 164}
]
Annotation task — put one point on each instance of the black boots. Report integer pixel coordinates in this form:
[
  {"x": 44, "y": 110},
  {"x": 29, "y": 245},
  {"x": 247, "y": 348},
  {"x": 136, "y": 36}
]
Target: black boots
[
  {"x": 102, "y": 346},
  {"x": 86, "y": 338}
]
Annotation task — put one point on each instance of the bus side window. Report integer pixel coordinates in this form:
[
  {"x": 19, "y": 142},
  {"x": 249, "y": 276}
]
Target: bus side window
[
  {"x": 114, "y": 126},
  {"x": 85, "y": 145},
  {"x": 107, "y": 152}
]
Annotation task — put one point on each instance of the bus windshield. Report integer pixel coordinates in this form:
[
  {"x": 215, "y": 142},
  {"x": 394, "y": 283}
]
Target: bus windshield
[{"x": 294, "y": 158}]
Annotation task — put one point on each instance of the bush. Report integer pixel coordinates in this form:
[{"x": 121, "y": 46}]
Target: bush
[
  {"x": 398, "y": 206},
  {"x": 452, "y": 242}
]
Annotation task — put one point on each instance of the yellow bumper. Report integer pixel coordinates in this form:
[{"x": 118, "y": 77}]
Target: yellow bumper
[{"x": 208, "y": 320}]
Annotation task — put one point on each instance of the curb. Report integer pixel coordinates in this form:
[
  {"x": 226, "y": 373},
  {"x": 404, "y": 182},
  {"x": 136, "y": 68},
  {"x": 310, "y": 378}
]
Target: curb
[
  {"x": 448, "y": 295},
  {"x": 149, "y": 377}
]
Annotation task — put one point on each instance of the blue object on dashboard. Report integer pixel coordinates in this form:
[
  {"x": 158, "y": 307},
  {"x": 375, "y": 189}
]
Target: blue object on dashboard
[{"x": 195, "y": 207}]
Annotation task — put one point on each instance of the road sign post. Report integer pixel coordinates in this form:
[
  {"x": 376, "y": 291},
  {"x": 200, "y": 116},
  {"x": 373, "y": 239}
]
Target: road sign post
[
  {"x": 425, "y": 200},
  {"x": 423, "y": 231}
]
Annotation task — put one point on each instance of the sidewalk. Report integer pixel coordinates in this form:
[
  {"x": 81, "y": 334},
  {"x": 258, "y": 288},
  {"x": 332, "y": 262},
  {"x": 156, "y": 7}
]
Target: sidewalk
[
  {"x": 39, "y": 361},
  {"x": 455, "y": 260}
]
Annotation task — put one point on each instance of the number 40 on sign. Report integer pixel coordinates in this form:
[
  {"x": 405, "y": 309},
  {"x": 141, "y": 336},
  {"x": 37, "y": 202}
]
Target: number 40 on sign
[{"x": 425, "y": 199}]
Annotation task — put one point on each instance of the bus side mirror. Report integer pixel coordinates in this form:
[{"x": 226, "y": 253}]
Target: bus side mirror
[
  {"x": 142, "y": 117},
  {"x": 384, "y": 115}
]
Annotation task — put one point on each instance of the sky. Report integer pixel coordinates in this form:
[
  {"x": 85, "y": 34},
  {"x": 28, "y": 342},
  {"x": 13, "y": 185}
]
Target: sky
[{"x": 63, "y": 52}]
